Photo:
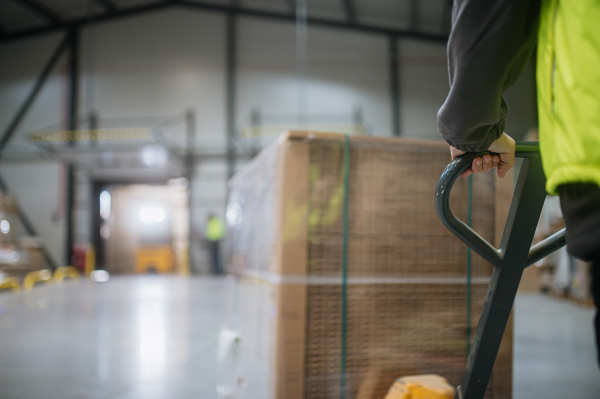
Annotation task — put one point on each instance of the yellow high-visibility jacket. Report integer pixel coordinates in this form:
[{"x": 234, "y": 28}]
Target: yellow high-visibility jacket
[
  {"x": 490, "y": 44},
  {"x": 215, "y": 229},
  {"x": 568, "y": 86}
]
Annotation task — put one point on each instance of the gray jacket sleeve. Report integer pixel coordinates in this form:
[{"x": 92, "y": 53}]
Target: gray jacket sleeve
[{"x": 490, "y": 43}]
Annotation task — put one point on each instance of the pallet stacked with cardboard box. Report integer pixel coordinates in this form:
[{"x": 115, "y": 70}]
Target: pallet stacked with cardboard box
[
  {"x": 408, "y": 307},
  {"x": 19, "y": 255}
]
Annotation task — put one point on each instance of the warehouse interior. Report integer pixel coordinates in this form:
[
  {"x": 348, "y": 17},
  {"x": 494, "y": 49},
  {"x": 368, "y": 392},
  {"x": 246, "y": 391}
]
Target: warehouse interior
[{"x": 235, "y": 199}]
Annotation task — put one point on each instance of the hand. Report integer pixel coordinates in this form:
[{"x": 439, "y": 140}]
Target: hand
[{"x": 504, "y": 146}]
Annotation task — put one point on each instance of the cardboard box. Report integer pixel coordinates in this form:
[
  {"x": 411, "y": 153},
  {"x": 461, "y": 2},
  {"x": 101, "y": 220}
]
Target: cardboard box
[
  {"x": 406, "y": 293},
  {"x": 9, "y": 219}
]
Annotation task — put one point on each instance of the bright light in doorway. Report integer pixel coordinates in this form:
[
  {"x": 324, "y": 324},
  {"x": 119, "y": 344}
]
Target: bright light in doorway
[
  {"x": 158, "y": 215},
  {"x": 105, "y": 205},
  {"x": 146, "y": 215},
  {"x": 149, "y": 215},
  {"x": 4, "y": 226},
  {"x": 100, "y": 276}
]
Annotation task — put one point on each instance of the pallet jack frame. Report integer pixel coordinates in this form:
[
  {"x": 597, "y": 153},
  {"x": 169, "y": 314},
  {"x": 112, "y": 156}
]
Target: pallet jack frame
[{"x": 509, "y": 261}]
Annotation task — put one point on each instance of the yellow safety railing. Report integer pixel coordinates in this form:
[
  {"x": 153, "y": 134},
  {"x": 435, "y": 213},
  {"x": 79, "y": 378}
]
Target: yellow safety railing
[
  {"x": 11, "y": 283},
  {"x": 91, "y": 134},
  {"x": 36, "y": 277},
  {"x": 65, "y": 271}
]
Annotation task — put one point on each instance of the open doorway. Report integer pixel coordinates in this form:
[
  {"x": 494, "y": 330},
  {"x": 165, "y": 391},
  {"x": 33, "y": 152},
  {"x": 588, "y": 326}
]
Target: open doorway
[{"x": 143, "y": 228}]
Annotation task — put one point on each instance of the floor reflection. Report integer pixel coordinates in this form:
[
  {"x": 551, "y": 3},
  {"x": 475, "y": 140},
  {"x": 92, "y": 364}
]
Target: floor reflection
[{"x": 157, "y": 337}]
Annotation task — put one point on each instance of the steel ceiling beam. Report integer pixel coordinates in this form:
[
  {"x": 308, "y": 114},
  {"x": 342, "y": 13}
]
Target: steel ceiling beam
[
  {"x": 67, "y": 25},
  {"x": 43, "y": 10},
  {"x": 402, "y": 33},
  {"x": 241, "y": 11}
]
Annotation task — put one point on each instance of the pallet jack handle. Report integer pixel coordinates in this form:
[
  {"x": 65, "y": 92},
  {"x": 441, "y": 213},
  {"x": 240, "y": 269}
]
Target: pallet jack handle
[
  {"x": 529, "y": 150},
  {"x": 509, "y": 261}
]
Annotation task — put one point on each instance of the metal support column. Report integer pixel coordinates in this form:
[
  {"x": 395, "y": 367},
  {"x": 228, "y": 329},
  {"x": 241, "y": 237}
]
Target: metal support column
[
  {"x": 93, "y": 128},
  {"x": 190, "y": 124},
  {"x": 413, "y": 15},
  {"x": 394, "y": 83},
  {"x": 72, "y": 125},
  {"x": 256, "y": 123},
  {"x": 230, "y": 91},
  {"x": 97, "y": 221},
  {"x": 446, "y": 22},
  {"x": 350, "y": 11},
  {"x": 302, "y": 61}
]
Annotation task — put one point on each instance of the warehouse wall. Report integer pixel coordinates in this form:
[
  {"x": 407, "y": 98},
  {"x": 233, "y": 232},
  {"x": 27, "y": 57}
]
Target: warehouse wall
[
  {"x": 163, "y": 63},
  {"x": 345, "y": 70},
  {"x": 158, "y": 64}
]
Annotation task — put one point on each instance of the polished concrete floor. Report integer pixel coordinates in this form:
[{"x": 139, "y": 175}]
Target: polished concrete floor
[
  {"x": 554, "y": 352},
  {"x": 133, "y": 337},
  {"x": 156, "y": 337}
]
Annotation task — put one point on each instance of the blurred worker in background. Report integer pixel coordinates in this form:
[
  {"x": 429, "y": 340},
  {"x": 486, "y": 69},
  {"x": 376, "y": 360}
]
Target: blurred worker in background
[
  {"x": 489, "y": 45},
  {"x": 215, "y": 231}
]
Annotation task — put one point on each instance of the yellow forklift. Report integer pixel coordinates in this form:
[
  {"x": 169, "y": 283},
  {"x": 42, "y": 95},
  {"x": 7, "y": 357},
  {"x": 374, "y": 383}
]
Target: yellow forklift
[{"x": 154, "y": 253}]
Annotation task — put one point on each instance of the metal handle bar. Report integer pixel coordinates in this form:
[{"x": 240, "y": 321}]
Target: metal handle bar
[{"x": 495, "y": 256}]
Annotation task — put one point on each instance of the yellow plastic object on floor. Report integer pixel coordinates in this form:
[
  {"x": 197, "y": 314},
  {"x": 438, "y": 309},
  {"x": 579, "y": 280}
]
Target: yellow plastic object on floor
[
  {"x": 90, "y": 261},
  {"x": 154, "y": 258},
  {"x": 11, "y": 283},
  {"x": 35, "y": 277},
  {"x": 65, "y": 271},
  {"x": 428, "y": 386},
  {"x": 184, "y": 262}
]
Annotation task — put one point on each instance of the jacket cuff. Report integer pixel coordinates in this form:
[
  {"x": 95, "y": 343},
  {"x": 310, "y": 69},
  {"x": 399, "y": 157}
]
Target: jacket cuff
[{"x": 485, "y": 141}]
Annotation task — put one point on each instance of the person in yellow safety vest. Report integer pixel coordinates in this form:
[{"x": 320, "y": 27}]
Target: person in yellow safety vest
[
  {"x": 215, "y": 231},
  {"x": 489, "y": 45}
]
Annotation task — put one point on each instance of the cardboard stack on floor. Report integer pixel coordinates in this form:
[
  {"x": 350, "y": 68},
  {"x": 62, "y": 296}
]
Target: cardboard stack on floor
[
  {"x": 18, "y": 255},
  {"x": 406, "y": 291}
]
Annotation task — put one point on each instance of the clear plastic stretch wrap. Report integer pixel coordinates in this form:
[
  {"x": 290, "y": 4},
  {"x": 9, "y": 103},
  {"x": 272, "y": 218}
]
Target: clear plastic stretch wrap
[{"x": 361, "y": 283}]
